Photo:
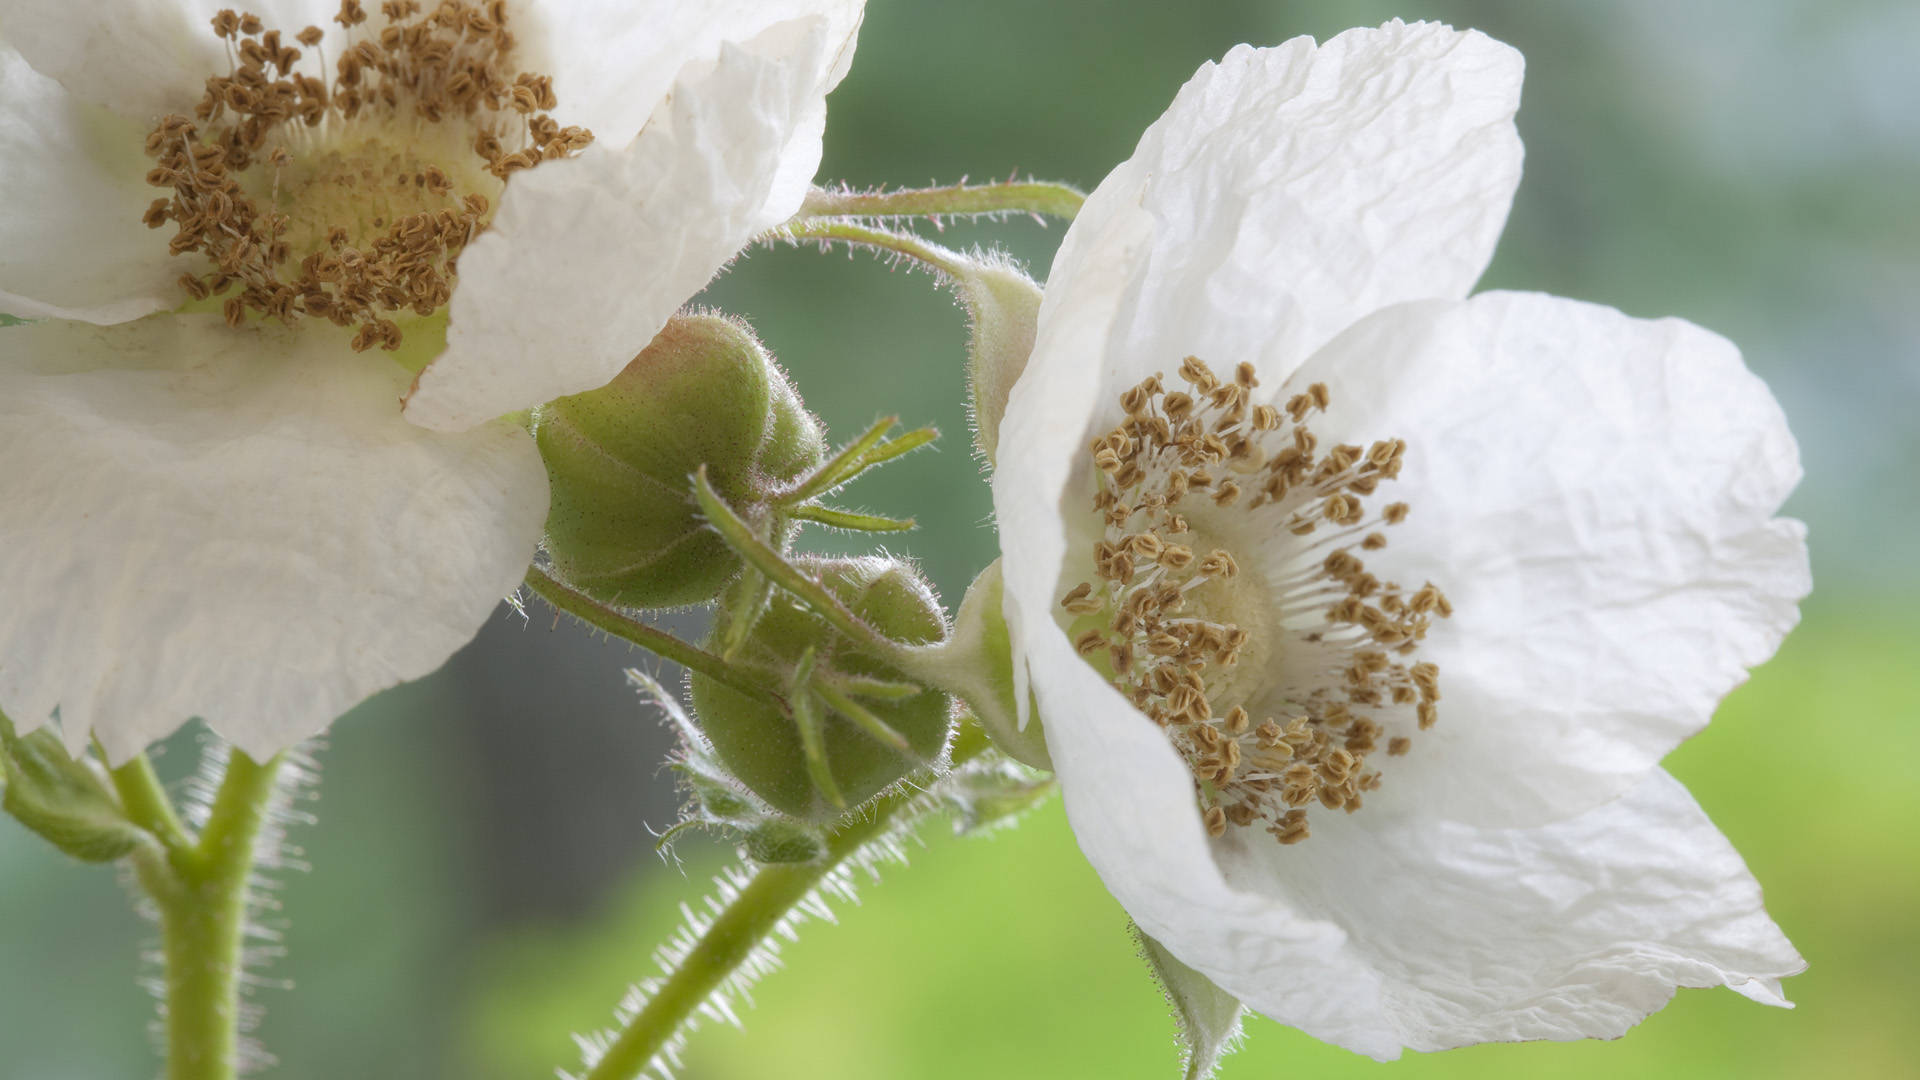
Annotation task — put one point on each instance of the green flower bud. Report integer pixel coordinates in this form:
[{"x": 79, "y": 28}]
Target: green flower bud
[
  {"x": 763, "y": 747},
  {"x": 623, "y": 526}
]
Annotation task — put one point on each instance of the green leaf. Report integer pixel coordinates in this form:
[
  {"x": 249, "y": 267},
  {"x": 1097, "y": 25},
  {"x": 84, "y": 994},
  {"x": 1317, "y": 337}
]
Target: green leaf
[
  {"x": 63, "y": 800},
  {"x": 1207, "y": 1016}
]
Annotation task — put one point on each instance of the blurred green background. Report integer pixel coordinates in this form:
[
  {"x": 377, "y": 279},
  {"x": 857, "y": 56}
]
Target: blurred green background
[{"x": 483, "y": 879}]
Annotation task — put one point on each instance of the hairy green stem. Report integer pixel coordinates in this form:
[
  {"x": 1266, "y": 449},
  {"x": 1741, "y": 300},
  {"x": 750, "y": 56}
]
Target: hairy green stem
[
  {"x": 946, "y": 260},
  {"x": 201, "y": 891},
  {"x": 146, "y": 803},
  {"x": 602, "y": 617},
  {"x": 957, "y": 200},
  {"x": 736, "y": 931}
]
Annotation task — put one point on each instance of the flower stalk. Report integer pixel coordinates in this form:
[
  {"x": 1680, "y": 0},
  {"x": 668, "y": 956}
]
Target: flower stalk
[
  {"x": 147, "y": 805},
  {"x": 829, "y": 231},
  {"x": 739, "y": 929},
  {"x": 200, "y": 889},
  {"x": 1036, "y": 197}
]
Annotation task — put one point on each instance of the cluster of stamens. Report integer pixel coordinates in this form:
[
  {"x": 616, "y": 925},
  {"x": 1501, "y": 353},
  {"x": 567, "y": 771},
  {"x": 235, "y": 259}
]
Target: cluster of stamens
[
  {"x": 262, "y": 171},
  {"x": 1174, "y": 629}
]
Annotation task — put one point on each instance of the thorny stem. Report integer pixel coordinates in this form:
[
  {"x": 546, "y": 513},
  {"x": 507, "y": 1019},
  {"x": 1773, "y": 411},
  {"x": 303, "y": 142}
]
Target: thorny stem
[
  {"x": 654, "y": 640},
  {"x": 957, "y": 200},
  {"x": 201, "y": 891},
  {"x": 736, "y": 931}
]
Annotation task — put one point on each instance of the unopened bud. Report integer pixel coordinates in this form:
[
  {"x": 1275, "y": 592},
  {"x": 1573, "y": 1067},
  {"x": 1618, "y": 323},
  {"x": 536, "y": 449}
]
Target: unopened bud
[
  {"x": 762, "y": 746},
  {"x": 623, "y": 526}
]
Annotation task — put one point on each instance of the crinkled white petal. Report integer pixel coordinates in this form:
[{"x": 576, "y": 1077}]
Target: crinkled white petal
[
  {"x": 1286, "y": 193},
  {"x": 587, "y": 258},
  {"x": 1385, "y": 931},
  {"x": 614, "y": 61},
  {"x": 1295, "y": 189},
  {"x": 141, "y": 58},
  {"x": 1574, "y": 930},
  {"x": 1382, "y": 932},
  {"x": 235, "y": 525},
  {"x": 1596, "y": 494},
  {"x": 72, "y": 245}
]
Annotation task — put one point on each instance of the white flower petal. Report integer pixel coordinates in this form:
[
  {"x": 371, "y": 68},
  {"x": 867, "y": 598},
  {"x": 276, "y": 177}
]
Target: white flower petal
[
  {"x": 72, "y": 245},
  {"x": 587, "y": 258},
  {"x": 1295, "y": 189},
  {"x": 1130, "y": 800},
  {"x": 1385, "y": 931},
  {"x": 1047, "y": 414},
  {"x": 1596, "y": 495},
  {"x": 237, "y": 526},
  {"x": 613, "y": 61},
  {"x": 1286, "y": 193},
  {"x": 1574, "y": 930},
  {"x": 141, "y": 58}
]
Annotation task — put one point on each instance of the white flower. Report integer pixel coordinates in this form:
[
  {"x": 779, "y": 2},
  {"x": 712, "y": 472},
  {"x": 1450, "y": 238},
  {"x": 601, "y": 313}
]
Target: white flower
[
  {"x": 221, "y": 512},
  {"x": 1478, "y": 563}
]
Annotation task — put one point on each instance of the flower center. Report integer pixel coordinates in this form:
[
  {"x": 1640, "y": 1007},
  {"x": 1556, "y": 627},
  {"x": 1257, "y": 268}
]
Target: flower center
[
  {"x": 351, "y": 199},
  {"x": 1278, "y": 670}
]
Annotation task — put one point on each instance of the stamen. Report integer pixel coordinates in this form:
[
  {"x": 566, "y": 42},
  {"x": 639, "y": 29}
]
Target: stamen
[
  {"x": 321, "y": 198},
  {"x": 1154, "y": 615}
]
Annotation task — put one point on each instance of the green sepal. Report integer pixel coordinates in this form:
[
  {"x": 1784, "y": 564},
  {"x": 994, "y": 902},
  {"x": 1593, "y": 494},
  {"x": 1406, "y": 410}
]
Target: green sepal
[
  {"x": 851, "y": 520},
  {"x": 993, "y": 795},
  {"x": 1208, "y": 1018},
  {"x": 66, "y": 801},
  {"x": 778, "y": 841},
  {"x": 980, "y": 634},
  {"x": 717, "y": 799},
  {"x": 1003, "y": 308}
]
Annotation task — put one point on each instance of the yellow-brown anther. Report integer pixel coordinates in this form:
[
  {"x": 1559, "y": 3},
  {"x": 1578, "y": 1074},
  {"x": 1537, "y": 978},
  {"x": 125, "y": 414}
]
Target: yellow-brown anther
[
  {"x": 260, "y": 187},
  {"x": 1216, "y": 821},
  {"x": 1179, "y": 633}
]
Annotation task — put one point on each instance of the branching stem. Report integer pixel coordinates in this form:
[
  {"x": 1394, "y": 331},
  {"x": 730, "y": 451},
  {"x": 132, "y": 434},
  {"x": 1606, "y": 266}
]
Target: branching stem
[
  {"x": 147, "y": 805},
  {"x": 201, "y": 891}
]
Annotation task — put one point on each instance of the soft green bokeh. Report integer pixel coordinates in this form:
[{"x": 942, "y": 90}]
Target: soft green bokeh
[{"x": 482, "y": 885}]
